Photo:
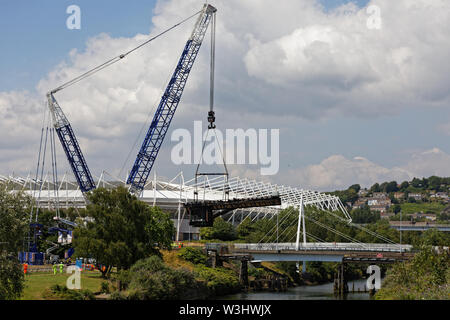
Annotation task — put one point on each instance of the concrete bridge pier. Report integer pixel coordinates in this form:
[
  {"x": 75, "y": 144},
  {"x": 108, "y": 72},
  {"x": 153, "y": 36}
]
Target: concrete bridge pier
[
  {"x": 215, "y": 260},
  {"x": 243, "y": 273},
  {"x": 340, "y": 283}
]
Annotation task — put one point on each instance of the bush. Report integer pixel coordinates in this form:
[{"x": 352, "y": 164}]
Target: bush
[
  {"x": 194, "y": 255},
  {"x": 151, "y": 279},
  {"x": 105, "y": 287},
  {"x": 219, "y": 281},
  {"x": 57, "y": 292},
  {"x": 426, "y": 276}
]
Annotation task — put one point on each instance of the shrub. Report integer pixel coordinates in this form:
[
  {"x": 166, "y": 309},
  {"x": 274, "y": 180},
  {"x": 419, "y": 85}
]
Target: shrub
[
  {"x": 194, "y": 255},
  {"x": 105, "y": 287},
  {"x": 219, "y": 281},
  {"x": 151, "y": 279},
  {"x": 57, "y": 292}
]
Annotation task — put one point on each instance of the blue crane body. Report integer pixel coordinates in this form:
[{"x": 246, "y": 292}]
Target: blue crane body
[
  {"x": 70, "y": 145},
  {"x": 161, "y": 121},
  {"x": 168, "y": 104}
]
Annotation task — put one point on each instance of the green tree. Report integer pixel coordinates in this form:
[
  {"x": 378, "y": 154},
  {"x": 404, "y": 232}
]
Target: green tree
[
  {"x": 15, "y": 210},
  {"x": 396, "y": 208},
  {"x": 11, "y": 278},
  {"x": 375, "y": 188},
  {"x": 355, "y": 187},
  {"x": 391, "y": 187},
  {"x": 221, "y": 230},
  {"x": 123, "y": 229},
  {"x": 434, "y": 237},
  {"x": 404, "y": 186},
  {"x": 245, "y": 228}
]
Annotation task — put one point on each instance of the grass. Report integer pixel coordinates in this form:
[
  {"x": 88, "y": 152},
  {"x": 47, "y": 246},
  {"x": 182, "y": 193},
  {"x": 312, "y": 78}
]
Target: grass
[
  {"x": 426, "y": 207},
  {"x": 37, "y": 283}
]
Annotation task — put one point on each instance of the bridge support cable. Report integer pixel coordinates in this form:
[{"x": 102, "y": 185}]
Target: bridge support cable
[
  {"x": 336, "y": 232},
  {"x": 272, "y": 231}
]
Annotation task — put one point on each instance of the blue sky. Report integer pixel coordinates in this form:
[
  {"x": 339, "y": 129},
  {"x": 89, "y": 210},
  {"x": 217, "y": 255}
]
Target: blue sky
[
  {"x": 39, "y": 27},
  {"x": 35, "y": 40}
]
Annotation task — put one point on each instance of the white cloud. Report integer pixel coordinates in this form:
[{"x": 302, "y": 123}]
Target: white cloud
[
  {"x": 338, "y": 172},
  {"x": 274, "y": 60}
]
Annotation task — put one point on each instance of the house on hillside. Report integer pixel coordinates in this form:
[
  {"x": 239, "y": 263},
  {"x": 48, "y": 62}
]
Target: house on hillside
[
  {"x": 363, "y": 192},
  {"x": 360, "y": 203},
  {"x": 379, "y": 208},
  {"x": 415, "y": 196},
  {"x": 379, "y": 202},
  {"x": 439, "y": 195},
  {"x": 399, "y": 195},
  {"x": 420, "y": 215},
  {"x": 380, "y": 195}
]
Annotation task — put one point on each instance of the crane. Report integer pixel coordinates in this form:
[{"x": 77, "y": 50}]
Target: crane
[
  {"x": 169, "y": 102},
  {"x": 70, "y": 145}
]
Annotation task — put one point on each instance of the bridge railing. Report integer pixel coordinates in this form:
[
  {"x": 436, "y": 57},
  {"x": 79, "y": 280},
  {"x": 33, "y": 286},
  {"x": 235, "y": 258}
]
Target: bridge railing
[{"x": 375, "y": 247}]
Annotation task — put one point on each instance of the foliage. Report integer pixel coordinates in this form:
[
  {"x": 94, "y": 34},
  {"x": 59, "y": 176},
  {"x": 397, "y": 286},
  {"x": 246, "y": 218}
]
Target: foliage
[
  {"x": 123, "y": 229},
  {"x": 219, "y": 281},
  {"x": 426, "y": 276},
  {"x": 59, "y": 292},
  {"x": 364, "y": 215},
  {"x": 194, "y": 255},
  {"x": 11, "y": 278},
  {"x": 221, "y": 230},
  {"x": 105, "y": 287},
  {"x": 151, "y": 279},
  {"x": 431, "y": 207},
  {"x": 15, "y": 211}
]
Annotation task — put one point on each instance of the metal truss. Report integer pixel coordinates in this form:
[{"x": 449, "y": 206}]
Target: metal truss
[{"x": 177, "y": 191}]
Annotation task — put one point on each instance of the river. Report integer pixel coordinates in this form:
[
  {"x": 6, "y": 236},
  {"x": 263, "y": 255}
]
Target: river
[{"x": 317, "y": 292}]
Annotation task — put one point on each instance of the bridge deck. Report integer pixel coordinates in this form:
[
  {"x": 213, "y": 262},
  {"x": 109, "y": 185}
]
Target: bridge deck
[{"x": 326, "y": 252}]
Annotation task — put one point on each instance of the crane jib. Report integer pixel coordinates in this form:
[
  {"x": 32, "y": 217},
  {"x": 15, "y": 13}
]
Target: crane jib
[
  {"x": 75, "y": 157},
  {"x": 70, "y": 145},
  {"x": 168, "y": 105}
]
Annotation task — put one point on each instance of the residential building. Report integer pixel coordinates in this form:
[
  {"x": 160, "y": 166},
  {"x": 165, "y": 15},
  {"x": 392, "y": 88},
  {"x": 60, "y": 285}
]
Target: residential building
[
  {"x": 386, "y": 202},
  {"x": 363, "y": 192},
  {"x": 415, "y": 196},
  {"x": 440, "y": 195},
  {"x": 379, "y": 195},
  {"x": 399, "y": 195}
]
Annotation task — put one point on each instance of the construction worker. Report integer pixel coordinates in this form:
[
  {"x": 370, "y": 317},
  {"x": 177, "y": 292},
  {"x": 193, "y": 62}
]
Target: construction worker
[
  {"x": 25, "y": 268},
  {"x": 61, "y": 267},
  {"x": 54, "y": 268}
]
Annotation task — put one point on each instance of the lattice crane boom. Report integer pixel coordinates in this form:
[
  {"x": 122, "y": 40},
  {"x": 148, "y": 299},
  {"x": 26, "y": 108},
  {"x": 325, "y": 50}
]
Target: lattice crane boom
[
  {"x": 168, "y": 104},
  {"x": 70, "y": 145}
]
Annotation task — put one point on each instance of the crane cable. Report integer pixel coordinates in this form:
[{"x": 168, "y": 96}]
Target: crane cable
[{"x": 118, "y": 58}]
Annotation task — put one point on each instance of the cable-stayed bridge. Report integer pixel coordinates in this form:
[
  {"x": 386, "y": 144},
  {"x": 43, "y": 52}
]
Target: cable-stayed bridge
[{"x": 171, "y": 194}]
